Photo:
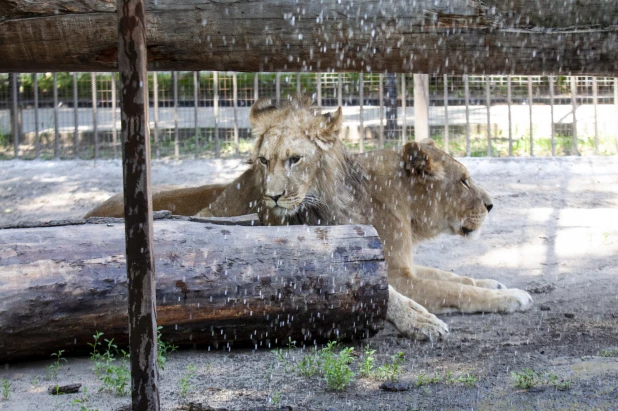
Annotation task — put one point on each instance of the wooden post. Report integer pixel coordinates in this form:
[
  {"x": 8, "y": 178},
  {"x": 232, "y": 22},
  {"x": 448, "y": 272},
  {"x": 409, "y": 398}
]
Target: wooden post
[
  {"x": 132, "y": 60},
  {"x": 361, "y": 128},
  {"x": 155, "y": 110},
  {"x": 404, "y": 122},
  {"x": 196, "y": 88},
  {"x": 56, "y": 125},
  {"x": 381, "y": 111},
  {"x": 235, "y": 102},
  {"x": 93, "y": 87},
  {"x": 37, "y": 137},
  {"x": 176, "y": 131},
  {"x": 215, "y": 107},
  {"x": 575, "y": 151},
  {"x": 421, "y": 106},
  {"x": 75, "y": 117},
  {"x": 446, "y": 130},
  {"x": 278, "y": 87},
  {"x": 114, "y": 106}
]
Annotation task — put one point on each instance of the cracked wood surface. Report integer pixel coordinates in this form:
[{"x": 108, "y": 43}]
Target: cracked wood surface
[{"x": 455, "y": 36}]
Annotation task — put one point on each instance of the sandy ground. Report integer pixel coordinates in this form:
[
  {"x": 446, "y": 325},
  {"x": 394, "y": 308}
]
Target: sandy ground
[{"x": 553, "y": 231}]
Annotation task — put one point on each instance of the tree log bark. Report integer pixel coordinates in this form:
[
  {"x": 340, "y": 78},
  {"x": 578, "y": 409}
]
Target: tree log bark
[
  {"x": 216, "y": 285},
  {"x": 424, "y": 36}
]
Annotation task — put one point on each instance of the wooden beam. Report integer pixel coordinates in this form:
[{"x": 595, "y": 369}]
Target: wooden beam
[
  {"x": 140, "y": 268},
  {"x": 217, "y": 285},
  {"x": 425, "y": 36}
]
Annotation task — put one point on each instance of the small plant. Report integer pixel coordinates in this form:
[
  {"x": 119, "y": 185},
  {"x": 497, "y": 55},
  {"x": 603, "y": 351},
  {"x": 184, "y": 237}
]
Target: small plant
[
  {"x": 424, "y": 379},
  {"x": 391, "y": 371},
  {"x": 309, "y": 365},
  {"x": 163, "y": 349},
  {"x": 557, "y": 382},
  {"x": 276, "y": 398},
  {"x": 467, "y": 379},
  {"x": 81, "y": 402},
  {"x": 336, "y": 366},
  {"x": 116, "y": 378},
  {"x": 185, "y": 387},
  {"x": 366, "y": 367},
  {"x": 526, "y": 378},
  {"x": 52, "y": 370},
  {"x": 609, "y": 353},
  {"x": 6, "y": 388}
]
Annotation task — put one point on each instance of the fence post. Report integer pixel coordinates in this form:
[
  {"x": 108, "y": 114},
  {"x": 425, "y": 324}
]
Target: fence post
[
  {"x": 114, "y": 130},
  {"x": 446, "y": 130},
  {"x": 488, "y": 104},
  {"x": 381, "y": 111},
  {"x": 298, "y": 87},
  {"x": 595, "y": 102},
  {"x": 235, "y": 101},
  {"x": 196, "y": 88},
  {"x": 616, "y": 106},
  {"x": 132, "y": 62},
  {"x": 176, "y": 131},
  {"x": 404, "y": 119},
  {"x": 256, "y": 87},
  {"x": 339, "y": 90},
  {"x": 319, "y": 88},
  {"x": 37, "y": 137},
  {"x": 530, "y": 103},
  {"x": 75, "y": 118},
  {"x": 155, "y": 108},
  {"x": 278, "y": 87},
  {"x": 551, "y": 109},
  {"x": 15, "y": 112},
  {"x": 56, "y": 126},
  {"x": 509, "y": 103},
  {"x": 215, "y": 106},
  {"x": 467, "y": 103},
  {"x": 421, "y": 106},
  {"x": 95, "y": 132},
  {"x": 574, "y": 108},
  {"x": 361, "y": 137}
]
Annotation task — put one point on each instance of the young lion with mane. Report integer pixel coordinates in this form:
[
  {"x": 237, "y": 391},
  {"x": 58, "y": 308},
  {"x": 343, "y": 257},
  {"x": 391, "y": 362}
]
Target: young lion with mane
[{"x": 300, "y": 173}]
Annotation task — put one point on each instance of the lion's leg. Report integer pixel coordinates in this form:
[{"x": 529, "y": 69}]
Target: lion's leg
[
  {"x": 435, "y": 274},
  {"x": 413, "y": 320},
  {"x": 446, "y": 296}
]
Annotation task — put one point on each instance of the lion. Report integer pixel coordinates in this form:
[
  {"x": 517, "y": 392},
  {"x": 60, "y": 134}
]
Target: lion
[{"x": 301, "y": 173}]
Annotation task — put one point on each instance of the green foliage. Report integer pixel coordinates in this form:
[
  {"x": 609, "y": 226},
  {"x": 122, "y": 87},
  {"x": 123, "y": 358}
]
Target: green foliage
[
  {"x": 336, "y": 366},
  {"x": 6, "y": 388},
  {"x": 391, "y": 371},
  {"x": 184, "y": 384},
  {"x": 424, "y": 379},
  {"x": 163, "y": 349},
  {"x": 116, "y": 377},
  {"x": 52, "y": 370},
  {"x": 609, "y": 353},
  {"x": 366, "y": 367},
  {"x": 528, "y": 378}
]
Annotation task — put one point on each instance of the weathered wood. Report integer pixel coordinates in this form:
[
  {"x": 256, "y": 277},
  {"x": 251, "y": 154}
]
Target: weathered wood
[
  {"x": 63, "y": 389},
  {"x": 216, "y": 285},
  {"x": 424, "y": 36},
  {"x": 132, "y": 61}
]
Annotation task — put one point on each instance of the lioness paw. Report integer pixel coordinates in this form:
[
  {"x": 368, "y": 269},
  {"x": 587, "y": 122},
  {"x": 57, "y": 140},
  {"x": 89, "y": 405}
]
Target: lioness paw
[
  {"x": 412, "y": 319},
  {"x": 490, "y": 284},
  {"x": 514, "y": 300}
]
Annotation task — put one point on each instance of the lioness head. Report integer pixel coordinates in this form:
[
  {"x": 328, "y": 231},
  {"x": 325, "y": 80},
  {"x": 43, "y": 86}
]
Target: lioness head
[
  {"x": 444, "y": 198},
  {"x": 301, "y": 164}
]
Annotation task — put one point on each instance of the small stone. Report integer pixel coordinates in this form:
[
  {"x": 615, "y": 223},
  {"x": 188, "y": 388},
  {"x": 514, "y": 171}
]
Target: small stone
[
  {"x": 395, "y": 386},
  {"x": 544, "y": 308},
  {"x": 569, "y": 315}
]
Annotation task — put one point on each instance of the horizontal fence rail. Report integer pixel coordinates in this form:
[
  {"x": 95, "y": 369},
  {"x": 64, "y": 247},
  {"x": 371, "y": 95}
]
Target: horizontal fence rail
[{"x": 206, "y": 114}]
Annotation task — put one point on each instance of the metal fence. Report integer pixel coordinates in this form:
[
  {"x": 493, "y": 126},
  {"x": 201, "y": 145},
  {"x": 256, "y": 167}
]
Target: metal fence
[{"x": 205, "y": 114}]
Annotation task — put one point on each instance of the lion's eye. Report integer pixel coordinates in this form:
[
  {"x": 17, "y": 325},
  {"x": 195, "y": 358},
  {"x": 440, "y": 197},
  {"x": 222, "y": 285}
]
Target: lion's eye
[
  {"x": 465, "y": 183},
  {"x": 263, "y": 160},
  {"x": 293, "y": 160}
]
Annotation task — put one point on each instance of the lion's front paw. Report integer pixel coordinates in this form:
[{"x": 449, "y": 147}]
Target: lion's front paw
[
  {"x": 490, "y": 284},
  {"x": 412, "y": 319},
  {"x": 514, "y": 300}
]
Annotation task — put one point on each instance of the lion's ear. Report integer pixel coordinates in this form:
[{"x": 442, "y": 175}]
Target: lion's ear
[
  {"x": 417, "y": 160},
  {"x": 429, "y": 142},
  {"x": 261, "y": 107},
  {"x": 332, "y": 122}
]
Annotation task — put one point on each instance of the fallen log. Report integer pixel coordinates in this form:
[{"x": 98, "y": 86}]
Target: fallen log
[
  {"x": 217, "y": 286},
  {"x": 535, "y": 37}
]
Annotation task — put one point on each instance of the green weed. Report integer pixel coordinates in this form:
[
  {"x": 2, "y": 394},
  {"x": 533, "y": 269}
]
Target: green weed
[
  {"x": 366, "y": 367},
  {"x": 528, "y": 378},
  {"x": 52, "y": 370},
  {"x": 185, "y": 386},
  {"x": 391, "y": 371},
  {"x": 336, "y": 366},
  {"x": 6, "y": 388},
  {"x": 609, "y": 353},
  {"x": 163, "y": 349}
]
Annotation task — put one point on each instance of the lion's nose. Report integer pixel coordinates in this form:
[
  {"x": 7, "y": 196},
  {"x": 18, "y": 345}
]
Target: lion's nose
[
  {"x": 277, "y": 196},
  {"x": 489, "y": 206}
]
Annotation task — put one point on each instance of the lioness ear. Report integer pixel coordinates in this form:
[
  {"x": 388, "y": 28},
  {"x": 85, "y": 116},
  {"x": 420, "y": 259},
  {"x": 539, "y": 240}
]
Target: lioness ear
[
  {"x": 332, "y": 121},
  {"x": 429, "y": 142},
  {"x": 417, "y": 160},
  {"x": 262, "y": 106}
]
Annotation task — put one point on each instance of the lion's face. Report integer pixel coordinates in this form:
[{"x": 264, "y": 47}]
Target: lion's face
[
  {"x": 449, "y": 199},
  {"x": 296, "y": 153}
]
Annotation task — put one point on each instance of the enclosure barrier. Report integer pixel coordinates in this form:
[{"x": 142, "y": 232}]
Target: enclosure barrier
[{"x": 205, "y": 114}]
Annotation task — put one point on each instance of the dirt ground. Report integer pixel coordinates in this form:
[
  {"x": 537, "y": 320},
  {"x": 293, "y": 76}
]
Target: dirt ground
[{"x": 553, "y": 231}]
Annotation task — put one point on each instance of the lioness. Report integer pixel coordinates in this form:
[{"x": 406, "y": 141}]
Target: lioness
[{"x": 301, "y": 173}]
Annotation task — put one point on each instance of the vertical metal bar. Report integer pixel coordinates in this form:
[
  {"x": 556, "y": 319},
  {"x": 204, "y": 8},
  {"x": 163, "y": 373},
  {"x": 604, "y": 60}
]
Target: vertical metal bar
[
  {"x": 551, "y": 110},
  {"x": 509, "y": 103},
  {"x": 467, "y": 103},
  {"x": 256, "y": 87},
  {"x": 361, "y": 137},
  {"x": 339, "y": 90},
  {"x": 616, "y": 109},
  {"x": 488, "y": 104},
  {"x": 530, "y": 103},
  {"x": 95, "y": 131},
  {"x": 114, "y": 128},
  {"x": 404, "y": 119},
  {"x": 595, "y": 102},
  {"x": 574, "y": 109},
  {"x": 75, "y": 117},
  {"x": 176, "y": 131},
  {"x": 196, "y": 88},
  {"x": 215, "y": 104},
  {"x": 235, "y": 100},
  {"x": 381, "y": 112},
  {"x": 278, "y": 87},
  {"x": 319, "y": 88},
  {"x": 15, "y": 112},
  {"x": 132, "y": 62},
  {"x": 56, "y": 125},
  {"x": 155, "y": 103},
  {"x": 298, "y": 86},
  {"x": 37, "y": 137},
  {"x": 446, "y": 126}
]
